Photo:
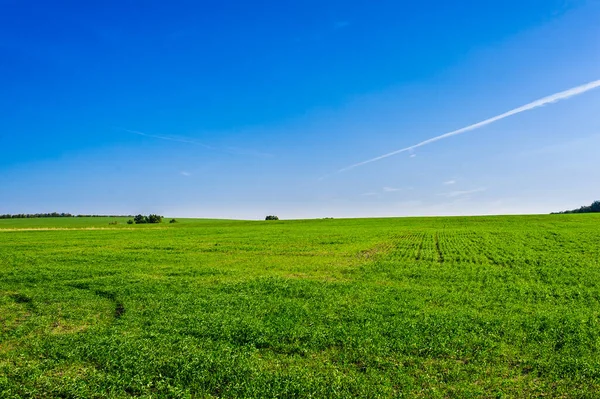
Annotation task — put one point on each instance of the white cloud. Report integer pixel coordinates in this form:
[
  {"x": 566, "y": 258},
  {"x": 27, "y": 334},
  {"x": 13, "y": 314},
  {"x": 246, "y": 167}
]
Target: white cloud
[
  {"x": 460, "y": 193},
  {"x": 184, "y": 173},
  {"x": 449, "y": 182},
  {"x": 390, "y": 189}
]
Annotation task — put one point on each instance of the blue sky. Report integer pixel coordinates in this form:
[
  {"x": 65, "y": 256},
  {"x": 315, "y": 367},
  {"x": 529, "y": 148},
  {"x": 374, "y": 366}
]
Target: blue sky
[{"x": 238, "y": 109}]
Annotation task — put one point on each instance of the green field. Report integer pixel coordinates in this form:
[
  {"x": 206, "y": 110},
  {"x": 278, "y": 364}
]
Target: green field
[{"x": 505, "y": 306}]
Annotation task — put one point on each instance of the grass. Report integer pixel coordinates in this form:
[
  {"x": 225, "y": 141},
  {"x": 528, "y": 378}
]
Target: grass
[{"x": 504, "y": 306}]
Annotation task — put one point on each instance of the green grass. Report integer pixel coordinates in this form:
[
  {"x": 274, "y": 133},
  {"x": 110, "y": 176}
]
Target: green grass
[{"x": 419, "y": 307}]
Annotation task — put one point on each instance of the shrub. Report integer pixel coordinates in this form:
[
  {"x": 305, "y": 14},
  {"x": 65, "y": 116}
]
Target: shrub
[
  {"x": 172, "y": 221},
  {"x": 130, "y": 221},
  {"x": 271, "y": 217},
  {"x": 140, "y": 219},
  {"x": 154, "y": 218}
]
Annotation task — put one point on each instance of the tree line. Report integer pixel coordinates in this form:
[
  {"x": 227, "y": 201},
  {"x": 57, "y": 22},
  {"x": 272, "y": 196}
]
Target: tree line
[
  {"x": 595, "y": 207},
  {"x": 54, "y": 215}
]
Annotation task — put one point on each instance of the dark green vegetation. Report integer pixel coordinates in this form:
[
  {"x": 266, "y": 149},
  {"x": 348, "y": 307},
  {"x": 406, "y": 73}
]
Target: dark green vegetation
[
  {"x": 594, "y": 208},
  {"x": 419, "y": 307},
  {"x": 141, "y": 219},
  {"x": 48, "y": 215},
  {"x": 36, "y": 215}
]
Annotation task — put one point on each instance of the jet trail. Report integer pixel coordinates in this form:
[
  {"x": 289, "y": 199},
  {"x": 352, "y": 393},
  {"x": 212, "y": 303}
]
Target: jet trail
[
  {"x": 179, "y": 140},
  {"x": 563, "y": 95},
  {"x": 229, "y": 150}
]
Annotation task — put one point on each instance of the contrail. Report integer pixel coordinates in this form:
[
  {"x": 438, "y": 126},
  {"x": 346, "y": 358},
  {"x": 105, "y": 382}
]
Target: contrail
[
  {"x": 229, "y": 150},
  {"x": 179, "y": 140},
  {"x": 563, "y": 95}
]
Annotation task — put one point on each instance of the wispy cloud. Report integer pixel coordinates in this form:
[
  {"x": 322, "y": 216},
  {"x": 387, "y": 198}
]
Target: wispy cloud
[
  {"x": 384, "y": 191},
  {"x": 449, "y": 182},
  {"x": 187, "y": 140},
  {"x": 170, "y": 138},
  {"x": 246, "y": 151},
  {"x": 563, "y": 95},
  {"x": 184, "y": 173},
  {"x": 461, "y": 193}
]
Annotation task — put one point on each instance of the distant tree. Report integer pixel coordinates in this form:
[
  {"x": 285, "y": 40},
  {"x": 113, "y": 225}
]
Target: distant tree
[
  {"x": 154, "y": 218},
  {"x": 271, "y": 217},
  {"x": 172, "y": 221},
  {"x": 55, "y": 215},
  {"x": 595, "y": 207},
  {"x": 36, "y": 215},
  {"x": 140, "y": 219},
  {"x": 130, "y": 221}
]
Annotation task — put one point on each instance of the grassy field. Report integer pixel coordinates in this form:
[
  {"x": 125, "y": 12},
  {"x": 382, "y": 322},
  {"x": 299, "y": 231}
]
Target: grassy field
[{"x": 418, "y": 307}]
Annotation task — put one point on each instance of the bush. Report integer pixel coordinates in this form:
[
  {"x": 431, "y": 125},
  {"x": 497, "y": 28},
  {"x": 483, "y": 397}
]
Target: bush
[
  {"x": 130, "y": 221},
  {"x": 141, "y": 219},
  {"x": 172, "y": 221},
  {"x": 271, "y": 217},
  {"x": 154, "y": 218}
]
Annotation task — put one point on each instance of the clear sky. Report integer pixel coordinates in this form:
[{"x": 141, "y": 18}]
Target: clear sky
[{"x": 240, "y": 109}]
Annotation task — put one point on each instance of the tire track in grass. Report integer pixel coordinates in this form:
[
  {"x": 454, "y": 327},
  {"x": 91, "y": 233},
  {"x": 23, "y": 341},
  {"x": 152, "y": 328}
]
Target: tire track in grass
[
  {"x": 437, "y": 247},
  {"x": 419, "y": 251},
  {"x": 119, "y": 307},
  {"x": 14, "y": 316},
  {"x": 23, "y": 299}
]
